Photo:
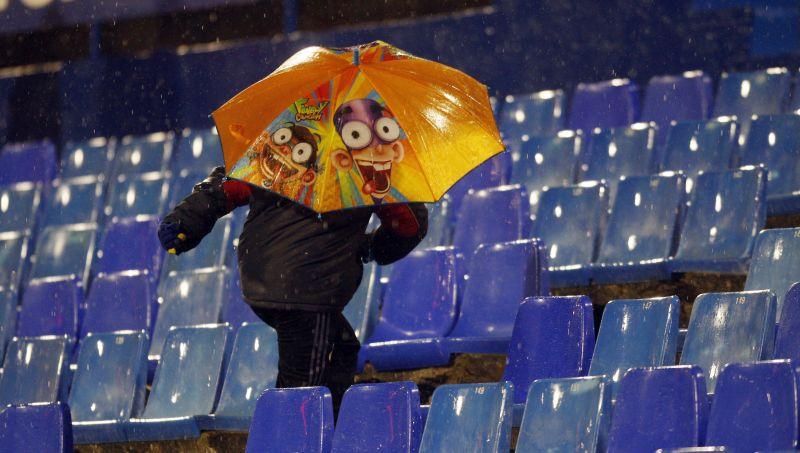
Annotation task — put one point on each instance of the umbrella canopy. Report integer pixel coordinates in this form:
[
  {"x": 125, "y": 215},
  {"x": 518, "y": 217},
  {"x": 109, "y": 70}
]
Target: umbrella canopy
[{"x": 342, "y": 128}]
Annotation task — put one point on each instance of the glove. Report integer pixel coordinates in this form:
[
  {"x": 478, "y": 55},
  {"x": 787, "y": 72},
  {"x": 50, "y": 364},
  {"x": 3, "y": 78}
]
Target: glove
[{"x": 172, "y": 239}]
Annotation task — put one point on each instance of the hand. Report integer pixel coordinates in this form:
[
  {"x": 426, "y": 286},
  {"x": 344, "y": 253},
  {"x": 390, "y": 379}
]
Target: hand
[{"x": 172, "y": 239}]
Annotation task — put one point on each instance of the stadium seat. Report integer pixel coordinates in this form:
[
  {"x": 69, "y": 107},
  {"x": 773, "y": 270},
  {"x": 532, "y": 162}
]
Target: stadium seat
[
  {"x": 613, "y": 103},
  {"x": 642, "y": 230},
  {"x": 19, "y": 206},
  {"x": 13, "y": 254},
  {"x": 726, "y": 212},
  {"x": 569, "y": 221},
  {"x": 27, "y": 162},
  {"x": 744, "y": 94},
  {"x": 8, "y": 318},
  {"x": 77, "y": 200},
  {"x": 613, "y": 153},
  {"x": 121, "y": 301},
  {"x": 50, "y": 307},
  {"x": 635, "y": 333},
  {"x": 439, "y": 227},
  {"x": 116, "y": 254},
  {"x": 292, "y": 419},
  {"x": 362, "y": 310},
  {"x": 669, "y": 98},
  {"x": 548, "y": 161},
  {"x": 755, "y": 407},
  {"x": 656, "y": 408},
  {"x": 774, "y": 142},
  {"x": 35, "y": 370},
  {"x": 143, "y": 154},
  {"x": 251, "y": 369},
  {"x": 235, "y": 310},
  {"x": 419, "y": 309},
  {"x": 211, "y": 253},
  {"x": 384, "y": 416},
  {"x": 504, "y": 275},
  {"x": 108, "y": 387},
  {"x": 527, "y": 115},
  {"x": 87, "y": 158},
  {"x": 137, "y": 195},
  {"x": 729, "y": 327},
  {"x": 182, "y": 186},
  {"x": 187, "y": 299},
  {"x": 553, "y": 337},
  {"x": 65, "y": 251},
  {"x": 775, "y": 262},
  {"x": 197, "y": 151},
  {"x": 787, "y": 343},
  {"x": 36, "y": 428},
  {"x": 185, "y": 384},
  {"x": 492, "y": 173},
  {"x": 469, "y": 417},
  {"x": 569, "y": 414}
]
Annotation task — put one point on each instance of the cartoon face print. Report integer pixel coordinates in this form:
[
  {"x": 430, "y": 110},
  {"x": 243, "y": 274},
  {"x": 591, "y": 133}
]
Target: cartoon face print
[
  {"x": 289, "y": 154},
  {"x": 372, "y": 138}
]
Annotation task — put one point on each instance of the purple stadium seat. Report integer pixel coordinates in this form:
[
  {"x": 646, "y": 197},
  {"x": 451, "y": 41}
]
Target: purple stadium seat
[
  {"x": 744, "y": 94},
  {"x": 144, "y": 154},
  {"x": 34, "y": 162},
  {"x": 292, "y": 419},
  {"x": 130, "y": 244},
  {"x": 50, "y": 307},
  {"x": 684, "y": 97},
  {"x": 612, "y": 103},
  {"x": 532, "y": 114},
  {"x": 494, "y": 172},
  {"x": 36, "y": 428},
  {"x": 622, "y": 151},
  {"x": 121, "y": 301},
  {"x": 787, "y": 342}
]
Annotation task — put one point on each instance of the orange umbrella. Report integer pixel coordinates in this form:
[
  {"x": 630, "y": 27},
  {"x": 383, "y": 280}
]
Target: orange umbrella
[{"x": 341, "y": 128}]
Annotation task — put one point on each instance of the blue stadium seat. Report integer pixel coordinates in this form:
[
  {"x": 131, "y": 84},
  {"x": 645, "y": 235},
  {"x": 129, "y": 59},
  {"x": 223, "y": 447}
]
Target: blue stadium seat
[
  {"x": 292, "y": 419},
  {"x": 469, "y": 417},
  {"x": 182, "y": 186},
  {"x": 684, "y": 97},
  {"x": 774, "y": 142},
  {"x": 699, "y": 146},
  {"x": 251, "y": 369},
  {"x": 383, "y": 416},
  {"x": 108, "y": 387},
  {"x": 726, "y": 211},
  {"x": 553, "y": 338},
  {"x": 729, "y": 327},
  {"x": 35, "y": 370},
  {"x": 50, "y": 307},
  {"x": 635, "y": 333},
  {"x": 211, "y": 253},
  {"x": 492, "y": 173},
  {"x": 144, "y": 154},
  {"x": 115, "y": 253},
  {"x": 76, "y": 200},
  {"x": 185, "y": 384},
  {"x": 27, "y": 162},
  {"x": 504, "y": 275},
  {"x": 527, "y": 115},
  {"x": 137, "y": 195},
  {"x": 744, "y": 94},
  {"x": 664, "y": 407},
  {"x": 439, "y": 227},
  {"x": 88, "y": 158},
  {"x": 197, "y": 151},
  {"x": 8, "y": 318},
  {"x": 235, "y": 310},
  {"x": 65, "y": 251},
  {"x": 569, "y": 221},
  {"x": 775, "y": 262},
  {"x": 19, "y": 206},
  {"x": 13, "y": 255},
  {"x": 185, "y": 300},
  {"x": 755, "y": 407},
  {"x": 362, "y": 310},
  {"x": 569, "y": 414},
  {"x": 787, "y": 343},
  {"x": 641, "y": 235},
  {"x": 419, "y": 308},
  {"x": 121, "y": 301},
  {"x": 613, "y": 153},
  {"x": 612, "y": 103},
  {"x": 36, "y": 427}
]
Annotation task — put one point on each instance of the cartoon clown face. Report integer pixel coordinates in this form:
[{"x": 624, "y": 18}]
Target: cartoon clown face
[
  {"x": 372, "y": 137},
  {"x": 289, "y": 154}
]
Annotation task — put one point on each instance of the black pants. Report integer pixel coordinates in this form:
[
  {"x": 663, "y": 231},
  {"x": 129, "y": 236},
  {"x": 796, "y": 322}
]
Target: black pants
[{"x": 314, "y": 348}]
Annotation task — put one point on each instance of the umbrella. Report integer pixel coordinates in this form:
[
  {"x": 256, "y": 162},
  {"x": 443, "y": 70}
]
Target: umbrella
[{"x": 337, "y": 128}]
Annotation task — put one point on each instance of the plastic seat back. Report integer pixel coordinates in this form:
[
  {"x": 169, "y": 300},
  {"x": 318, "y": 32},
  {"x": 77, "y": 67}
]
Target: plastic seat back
[
  {"x": 188, "y": 373},
  {"x": 439, "y": 228},
  {"x": 682, "y": 97},
  {"x": 137, "y": 195},
  {"x": 787, "y": 344},
  {"x": 613, "y": 153},
  {"x": 546, "y": 161},
  {"x": 699, "y": 146},
  {"x": 143, "y": 154},
  {"x": 36, "y": 427},
  {"x": 252, "y": 368},
  {"x": 27, "y": 162},
  {"x": 292, "y": 419},
  {"x": 50, "y": 307},
  {"x": 774, "y": 141},
  {"x": 469, "y": 417},
  {"x": 362, "y": 310},
  {"x": 197, "y": 151},
  {"x": 676, "y": 395},
  {"x": 64, "y": 251},
  {"x": 755, "y": 407},
  {"x": 121, "y": 301},
  {"x": 13, "y": 255},
  {"x": 379, "y": 416},
  {"x": 553, "y": 337},
  {"x": 185, "y": 300},
  {"x": 775, "y": 261},
  {"x": 504, "y": 275},
  {"x": 74, "y": 201},
  {"x": 87, "y": 158},
  {"x": 492, "y": 173},
  {"x": 729, "y": 327},
  {"x": 612, "y": 103},
  {"x": 19, "y": 206},
  {"x": 565, "y": 415},
  {"x": 527, "y": 115},
  {"x": 35, "y": 370},
  {"x": 8, "y": 318},
  {"x": 636, "y": 333},
  {"x": 110, "y": 380},
  {"x": 744, "y": 94},
  {"x": 211, "y": 253},
  {"x": 115, "y": 253}
]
